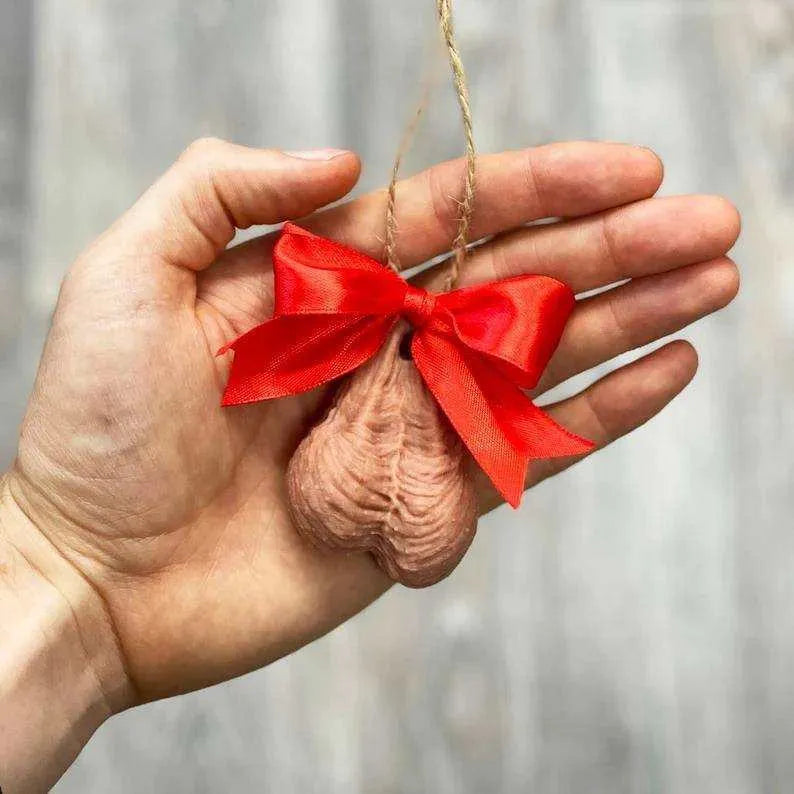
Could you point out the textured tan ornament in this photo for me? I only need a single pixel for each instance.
(385, 473)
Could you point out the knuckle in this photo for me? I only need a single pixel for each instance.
(444, 206)
(603, 428)
(202, 150)
(533, 180)
(498, 257)
(622, 330)
(610, 243)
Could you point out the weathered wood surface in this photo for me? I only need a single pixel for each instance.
(631, 628)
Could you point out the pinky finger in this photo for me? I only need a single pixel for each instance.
(617, 404)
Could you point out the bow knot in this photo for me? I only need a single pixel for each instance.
(477, 348)
(418, 306)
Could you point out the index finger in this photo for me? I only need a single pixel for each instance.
(513, 188)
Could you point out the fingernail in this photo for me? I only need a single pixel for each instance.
(317, 154)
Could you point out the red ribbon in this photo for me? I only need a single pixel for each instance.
(476, 348)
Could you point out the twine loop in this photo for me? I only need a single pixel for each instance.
(444, 13)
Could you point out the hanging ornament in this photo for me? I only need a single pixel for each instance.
(437, 386)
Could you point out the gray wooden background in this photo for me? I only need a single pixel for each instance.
(636, 637)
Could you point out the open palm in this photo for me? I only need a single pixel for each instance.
(173, 509)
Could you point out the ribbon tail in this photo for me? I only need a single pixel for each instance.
(292, 354)
(501, 427)
(537, 435)
(531, 432)
(448, 374)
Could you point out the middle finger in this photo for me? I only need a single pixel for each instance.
(639, 239)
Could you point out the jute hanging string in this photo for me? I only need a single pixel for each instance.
(444, 12)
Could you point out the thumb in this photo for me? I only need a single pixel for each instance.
(190, 214)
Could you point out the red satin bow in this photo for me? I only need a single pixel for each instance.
(476, 348)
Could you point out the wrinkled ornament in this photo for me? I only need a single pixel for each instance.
(384, 472)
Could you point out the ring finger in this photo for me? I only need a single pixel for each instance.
(638, 313)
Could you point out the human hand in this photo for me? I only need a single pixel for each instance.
(168, 513)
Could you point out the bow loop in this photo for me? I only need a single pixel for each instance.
(318, 276)
(517, 322)
(476, 348)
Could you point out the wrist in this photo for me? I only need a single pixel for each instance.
(61, 671)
